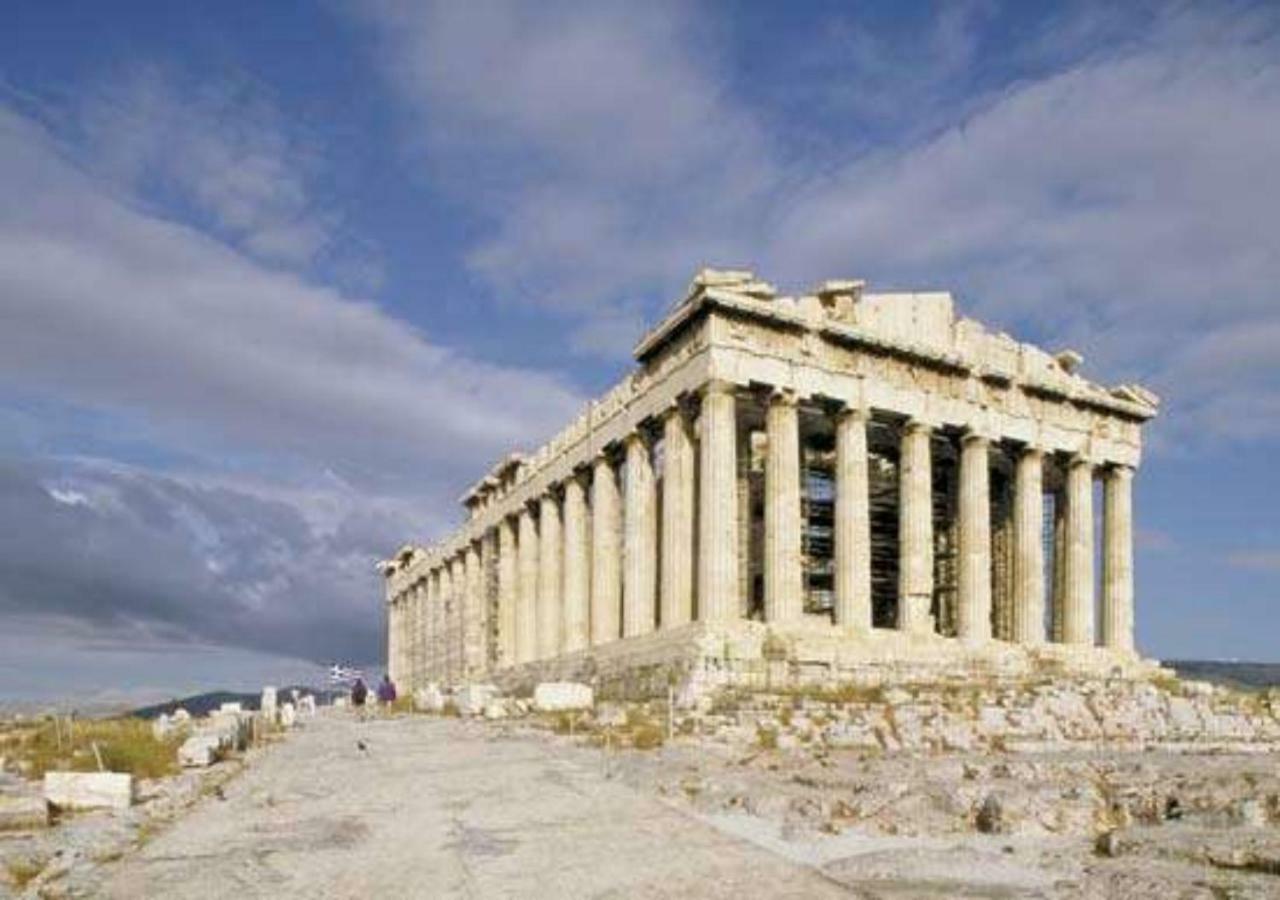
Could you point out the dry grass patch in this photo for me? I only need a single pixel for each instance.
(125, 745)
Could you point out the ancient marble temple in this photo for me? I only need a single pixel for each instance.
(839, 486)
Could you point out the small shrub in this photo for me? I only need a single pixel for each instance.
(22, 870)
(647, 737)
(766, 738)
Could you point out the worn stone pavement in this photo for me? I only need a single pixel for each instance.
(444, 808)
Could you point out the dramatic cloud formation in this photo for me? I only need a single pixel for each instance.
(244, 291)
(297, 413)
(1119, 200)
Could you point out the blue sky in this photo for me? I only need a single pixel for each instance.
(277, 281)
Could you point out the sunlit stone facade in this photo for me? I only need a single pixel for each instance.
(840, 485)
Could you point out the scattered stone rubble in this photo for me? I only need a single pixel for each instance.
(101, 815)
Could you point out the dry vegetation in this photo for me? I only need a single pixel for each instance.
(124, 745)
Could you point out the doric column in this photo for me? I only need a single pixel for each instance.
(973, 620)
(393, 664)
(473, 617)
(1028, 548)
(453, 620)
(508, 591)
(1077, 587)
(577, 569)
(527, 578)
(429, 600)
(639, 574)
(915, 531)
(550, 587)
(852, 522)
(718, 505)
(435, 624)
(677, 520)
(783, 573)
(1117, 559)
(606, 552)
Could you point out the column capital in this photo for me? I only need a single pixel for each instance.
(1075, 460)
(975, 436)
(718, 386)
(915, 424)
(853, 411)
(1119, 470)
(783, 396)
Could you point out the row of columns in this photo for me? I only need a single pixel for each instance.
(585, 569)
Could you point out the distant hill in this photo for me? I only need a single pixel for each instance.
(1251, 675)
(203, 704)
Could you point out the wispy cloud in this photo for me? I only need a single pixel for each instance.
(1267, 560)
(1111, 193)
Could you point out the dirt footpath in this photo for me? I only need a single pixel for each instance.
(445, 808)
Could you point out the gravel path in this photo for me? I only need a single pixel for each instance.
(445, 808)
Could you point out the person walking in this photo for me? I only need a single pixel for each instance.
(359, 694)
(387, 691)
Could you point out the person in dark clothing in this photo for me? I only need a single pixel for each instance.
(387, 691)
(359, 693)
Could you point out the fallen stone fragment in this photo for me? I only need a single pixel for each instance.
(89, 790)
(555, 696)
(472, 699)
(428, 699)
(23, 813)
(1107, 843)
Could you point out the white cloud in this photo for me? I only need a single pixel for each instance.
(598, 140)
(1255, 560)
(110, 306)
(1122, 205)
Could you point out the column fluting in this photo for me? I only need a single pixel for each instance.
(1117, 559)
(508, 591)
(1028, 548)
(718, 505)
(550, 586)
(606, 552)
(915, 531)
(677, 520)
(852, 522)
(973, 622)
(527, 599)
(577, 566)
(1078, 595)
(639, 577)
(783, 571)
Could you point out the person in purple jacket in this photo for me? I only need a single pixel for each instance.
(386, 691)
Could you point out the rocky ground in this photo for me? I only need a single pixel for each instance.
(1057, 791)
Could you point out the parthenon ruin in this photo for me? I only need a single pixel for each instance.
(785, 490)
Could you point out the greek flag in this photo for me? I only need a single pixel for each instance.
(343, 674)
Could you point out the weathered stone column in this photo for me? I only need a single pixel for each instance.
(606, 553)
(973, 620)
(550, 586)
(677, 520)
(639, 574)
(472, 615)
(577, 566)
(508, 591)
(453, 621)
(435, 671)
(915, 531)
(783, 572)
(526, 604)
(852, 522)
(427, 626)
(718, 505)
(1117, 559)
(1028, 548)
(1077, 600)
(392, 651)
